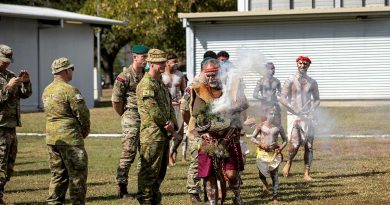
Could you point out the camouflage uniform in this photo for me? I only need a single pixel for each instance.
(67, 124)
(125, 91)
(193, 186)
(155, 108)
(9, 119)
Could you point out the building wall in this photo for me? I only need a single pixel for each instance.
(350, 57)
(76, 43)
(35, 46)
(308, 4)
(21, 36)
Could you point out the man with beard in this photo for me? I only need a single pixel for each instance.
(220, 134)
(176, 84)
(301, 97)
(267, 90)
(124, 102)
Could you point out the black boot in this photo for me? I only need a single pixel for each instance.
(122, 192)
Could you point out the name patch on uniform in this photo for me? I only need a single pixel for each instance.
(119, 79)
(148, 93)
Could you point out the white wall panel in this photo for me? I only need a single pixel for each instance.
(351, 59)
(76, 43)
(21, 36)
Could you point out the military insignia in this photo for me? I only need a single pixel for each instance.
(79, 97)
(120, 79)
(148, 93)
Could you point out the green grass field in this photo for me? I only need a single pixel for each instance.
(347, 170)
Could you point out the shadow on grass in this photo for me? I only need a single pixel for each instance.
(32, 172)
(103, 104)
(30, 203)
(103, 198)
(29, 190)
(361, 174)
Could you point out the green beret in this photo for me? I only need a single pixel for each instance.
(139, 49)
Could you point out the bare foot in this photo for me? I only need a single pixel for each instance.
(265, 191)
(183, 160)
(171, 160)
(307, 178)
(274, 200)
(286, 170)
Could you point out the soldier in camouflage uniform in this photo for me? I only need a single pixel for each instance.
(12, 88)
(124, 101)
(67, 124)
(158, 124)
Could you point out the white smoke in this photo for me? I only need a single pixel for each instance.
(232, 75)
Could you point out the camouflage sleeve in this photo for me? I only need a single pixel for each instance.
(185, 100)
(147, 102)
(4, 91)
(119, 89)
(79, 109)
(25, 90)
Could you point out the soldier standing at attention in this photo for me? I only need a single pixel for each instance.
(158, 124)
(67, 124)
(124, 102)
(12, 88)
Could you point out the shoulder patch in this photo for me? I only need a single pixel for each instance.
(119, 79)
(147, 93)
(79, 97)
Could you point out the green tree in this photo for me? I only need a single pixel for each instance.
(67, 5)
(151, 22)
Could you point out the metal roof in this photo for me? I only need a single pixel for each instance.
(43, 13)
(328, 13)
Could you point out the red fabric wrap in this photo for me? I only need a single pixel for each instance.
(211, 69)
(303, 58)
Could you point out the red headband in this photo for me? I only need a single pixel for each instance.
(211, 69)
(304, 58)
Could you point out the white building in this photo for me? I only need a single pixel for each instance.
(348, 42)
(39, 35)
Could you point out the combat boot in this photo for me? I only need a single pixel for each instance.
(2, 202)
(194, 199)
(123, 193)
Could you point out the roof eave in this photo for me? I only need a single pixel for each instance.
(287, 14)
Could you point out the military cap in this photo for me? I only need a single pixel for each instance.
(139, 49)
(6, 53)
(156, 56)
(60, 64)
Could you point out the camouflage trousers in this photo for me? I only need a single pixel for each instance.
(8, 150)
(130, 143)
(153, 167)
(193, 186)
(69, 167)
